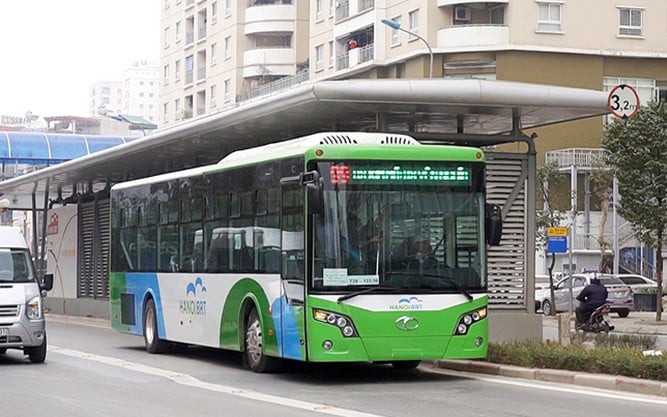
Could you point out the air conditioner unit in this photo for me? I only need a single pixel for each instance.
(462, 14)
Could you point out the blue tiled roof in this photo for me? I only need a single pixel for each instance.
(50, 148)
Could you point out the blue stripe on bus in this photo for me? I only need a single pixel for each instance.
(142, 284)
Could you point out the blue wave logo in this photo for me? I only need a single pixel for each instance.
(197, 286)
(412, 303)
(193, 305)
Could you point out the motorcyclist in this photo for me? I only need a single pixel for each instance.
(591, 297)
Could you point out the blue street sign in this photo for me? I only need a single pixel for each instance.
(557, 244)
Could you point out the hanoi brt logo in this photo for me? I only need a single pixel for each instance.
(412, 303)
(194, 303)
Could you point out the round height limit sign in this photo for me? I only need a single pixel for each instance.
(623, 101)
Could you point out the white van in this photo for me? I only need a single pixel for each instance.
(22, 324)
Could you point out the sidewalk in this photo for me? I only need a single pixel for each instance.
(640, 323)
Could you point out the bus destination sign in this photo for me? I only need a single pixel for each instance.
(400, 173)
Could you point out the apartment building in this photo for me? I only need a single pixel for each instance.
(137, 93)
(215, 51)
(141, 90)
(218, 52)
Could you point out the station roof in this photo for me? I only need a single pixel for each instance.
(37, 148)
(437, 108)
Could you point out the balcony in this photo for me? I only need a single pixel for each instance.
(575, 157)
(355, 57)
(442, 3)
(473, 35)
(276, 18)
(269, 61)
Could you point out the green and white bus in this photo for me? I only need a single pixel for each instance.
(335, 247)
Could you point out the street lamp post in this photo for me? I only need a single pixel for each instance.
(397, 26)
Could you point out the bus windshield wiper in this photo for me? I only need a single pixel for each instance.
(364, 291)
(449, 279)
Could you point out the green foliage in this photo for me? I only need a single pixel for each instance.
(622, 359)
(636, 150)
(548, 179)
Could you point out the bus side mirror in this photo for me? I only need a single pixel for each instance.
(314, 197)
(47, 282)
(493, 224)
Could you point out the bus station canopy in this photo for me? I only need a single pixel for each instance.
(477, 112)
(36, 148)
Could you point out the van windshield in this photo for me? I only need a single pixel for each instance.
(15, 265)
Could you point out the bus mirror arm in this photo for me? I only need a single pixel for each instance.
(311, 180)
(493, 224)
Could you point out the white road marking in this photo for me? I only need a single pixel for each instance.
(188, 380)
(552, 386)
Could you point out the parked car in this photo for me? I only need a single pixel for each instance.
(620, 294)
(635, 281)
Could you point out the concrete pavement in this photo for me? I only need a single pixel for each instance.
(640, 323)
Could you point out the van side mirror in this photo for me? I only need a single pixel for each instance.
(493, 224)
(47, 282)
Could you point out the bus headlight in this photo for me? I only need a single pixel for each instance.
(343, 323)
(468, 319)
(34, 308)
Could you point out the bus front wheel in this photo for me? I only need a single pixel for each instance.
(153, 343)
(254, 355)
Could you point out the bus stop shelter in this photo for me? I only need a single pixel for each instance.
(466, 112)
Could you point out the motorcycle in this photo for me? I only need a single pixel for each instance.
(598, 321)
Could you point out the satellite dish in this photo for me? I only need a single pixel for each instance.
(102, 110)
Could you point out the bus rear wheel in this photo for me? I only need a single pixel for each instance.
(254, 355)
(405, 365)
(153, 343)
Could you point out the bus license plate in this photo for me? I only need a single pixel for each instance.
(4, 332)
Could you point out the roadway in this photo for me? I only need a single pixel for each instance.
(93, 370)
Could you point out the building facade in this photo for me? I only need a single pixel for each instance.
(137, 93)
(218, 52)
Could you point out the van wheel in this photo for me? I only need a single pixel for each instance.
(254, 355)
(623, 313)
(153, 343)
(546, 307)
(37, 354)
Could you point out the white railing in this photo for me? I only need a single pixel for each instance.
(574, 157)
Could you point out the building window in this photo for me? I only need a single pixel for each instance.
(165, 110)
(395, 39)
(413, 17)
(228, 7)
(228, 87)
(319, 55)
(332, 54)
(319, 6)
(214, 53)
(213, 95)
(630, 22)
(166, 37)
(645, 88)
(177, 70)
(549, 17)
(178, 32)
(214, 12)
(165, 75)
(228, 47)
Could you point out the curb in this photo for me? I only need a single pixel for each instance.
(600, 381)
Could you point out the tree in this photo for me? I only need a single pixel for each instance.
(548, 180)
(601, 179)
(636, 150)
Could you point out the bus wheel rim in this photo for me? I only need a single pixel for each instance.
(254, 342)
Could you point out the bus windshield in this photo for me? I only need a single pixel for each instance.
(406, 232)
